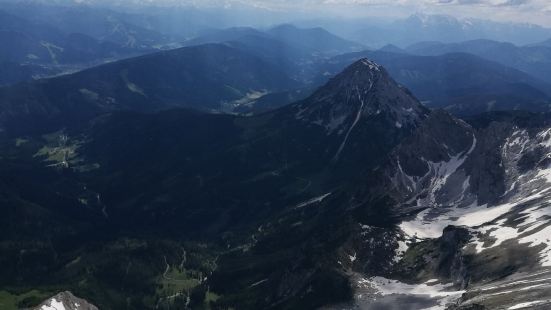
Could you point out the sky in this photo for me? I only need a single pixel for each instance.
(523, 11)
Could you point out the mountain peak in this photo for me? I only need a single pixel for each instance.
(360, 101)
(362, 90)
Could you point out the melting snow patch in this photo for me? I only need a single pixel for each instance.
(443, 170)
(527, 305)
(352, 257)
(442, 293)
(356, 120)
(258, 283)
(402, 248)
(532, 227)
(335, 123)
(134, 88)
(427, 226)
(53, 304)
(371, 64)
(313, 200)
(544, 138)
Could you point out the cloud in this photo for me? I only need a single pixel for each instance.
(526, 11)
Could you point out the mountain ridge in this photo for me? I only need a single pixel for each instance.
(288, 210)
(174, 78)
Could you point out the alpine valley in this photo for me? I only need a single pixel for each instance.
(215, 176)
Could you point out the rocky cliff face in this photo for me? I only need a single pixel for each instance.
(472, 199)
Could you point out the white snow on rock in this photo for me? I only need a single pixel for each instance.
(53, 304)
(524, 214)
(400, 250)
(532, 227)
(529, 305)
(432, 227)
(352, 257)
(431, 222)
(356, 120)
(443, 294)
(371, 64)
(65, 301)
(430, 189)
(312, 201)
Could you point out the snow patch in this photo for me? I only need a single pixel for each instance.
(442, 293)
(427, 226)
(352, 257)
(527, 305)
(371, 65)
(400, 250)
(312, 201)
(356, 120)
(53, 304)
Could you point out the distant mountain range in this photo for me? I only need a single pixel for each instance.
(229, 78)
(444, 28)
(41, 49)
(312, 42)
(27, 41)
(546, 43)
(292, 49)
(462, 83)
(477, 85)
(210, 77)
(100, 24)
(534, 60)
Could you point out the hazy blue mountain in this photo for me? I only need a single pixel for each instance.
(98, 23)
(176, 24)
(307, 42)
(546, 43)
(13, 23)
(48, 50)
(286, 56)
(317, 41)
(207, 77)
(390, 48)
(11, 72)
(223, 35)
(294, 50)
(423, 27)
(461, 83)
(535, 60)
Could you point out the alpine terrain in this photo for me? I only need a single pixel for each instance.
(272, 167)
